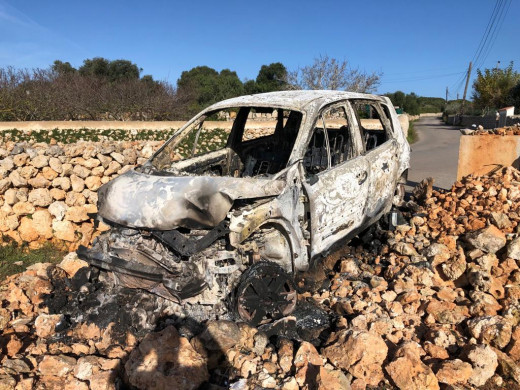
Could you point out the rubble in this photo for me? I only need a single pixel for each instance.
(433, 303)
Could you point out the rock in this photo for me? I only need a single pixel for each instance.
(484, 361)
(405, 249)
(4, 185)
(63, 230)
(455, 266)
(14, 345)
(454, 372)
(16, 366)
(42, 223)
(77, 214)
(58, 210)
(285, 354)
(40, 197)
(62, 182)
(409, 372)
(220, 335)
(333, 380)
(102, 380)
(489, 239)
(500, 220)
(39, 181)
(40, 161)
(78, 184)
(307, 362)
(81, 171)
(360, 353)
(513, 249)
(494, 330)
(507, 367)
(7, 382)
(27, 231)
(55, 164)
(112, 168)
(93, 183)
(166, 360)
(445, 312)
(59, 365)
(17, 180)
(45, 324)
(72, 264)
(23, 208)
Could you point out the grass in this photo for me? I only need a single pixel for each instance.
(15, 258)
(68, 136)
(412, 134)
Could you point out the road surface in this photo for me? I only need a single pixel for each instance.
(435, 153)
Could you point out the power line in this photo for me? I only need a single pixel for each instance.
(407, 79)
(496, 32)
(485, 45)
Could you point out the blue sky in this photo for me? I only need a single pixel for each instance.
(419, 46)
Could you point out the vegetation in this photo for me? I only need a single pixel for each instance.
(102, 89)
(15, 258)
(414, 104)
(329, 73)
(496, 88)
(68, 136)
(412, 134)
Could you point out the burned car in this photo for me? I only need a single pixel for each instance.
(248, 194)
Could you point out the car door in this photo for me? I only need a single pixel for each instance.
(381, 152)
(337, 179)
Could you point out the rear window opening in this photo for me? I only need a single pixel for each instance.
(373, 122)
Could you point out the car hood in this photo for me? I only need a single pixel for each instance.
(141, 200)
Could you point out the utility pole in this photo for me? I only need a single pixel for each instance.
(446, 95)
(465, 90)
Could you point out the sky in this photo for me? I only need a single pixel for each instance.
(419, 46)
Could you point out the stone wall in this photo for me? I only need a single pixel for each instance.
(487, 122)
(47, 191)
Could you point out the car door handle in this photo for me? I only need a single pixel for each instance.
(362, 177)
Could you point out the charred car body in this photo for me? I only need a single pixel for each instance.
(249, 193)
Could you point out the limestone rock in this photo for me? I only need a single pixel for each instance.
(166, 360)
(454, 372)
(489, 239)
(484, 361)
(360, 353)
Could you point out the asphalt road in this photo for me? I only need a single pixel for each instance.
(435, 153)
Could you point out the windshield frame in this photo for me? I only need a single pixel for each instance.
(199, 119)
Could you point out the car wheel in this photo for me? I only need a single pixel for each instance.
(266, 292)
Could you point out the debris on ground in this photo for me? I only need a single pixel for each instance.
(430, 303)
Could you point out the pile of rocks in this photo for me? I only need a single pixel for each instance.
(508, 130)
(432, 303)
(47, 191)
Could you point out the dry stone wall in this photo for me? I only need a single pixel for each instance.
(48, 190)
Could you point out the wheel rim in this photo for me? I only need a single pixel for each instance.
(265, 293)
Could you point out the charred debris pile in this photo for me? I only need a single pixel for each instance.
(432, 303)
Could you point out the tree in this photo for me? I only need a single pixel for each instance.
(492, 88)
(397, 98)
(63, 68)
(513, 99)
(411, 104)
(97, 66)
(122, 70)
(272, 77)
(329, 73)
(208, 86)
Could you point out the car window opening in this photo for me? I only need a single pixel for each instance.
(237, 142)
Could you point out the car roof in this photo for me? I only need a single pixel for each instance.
(298, 99)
